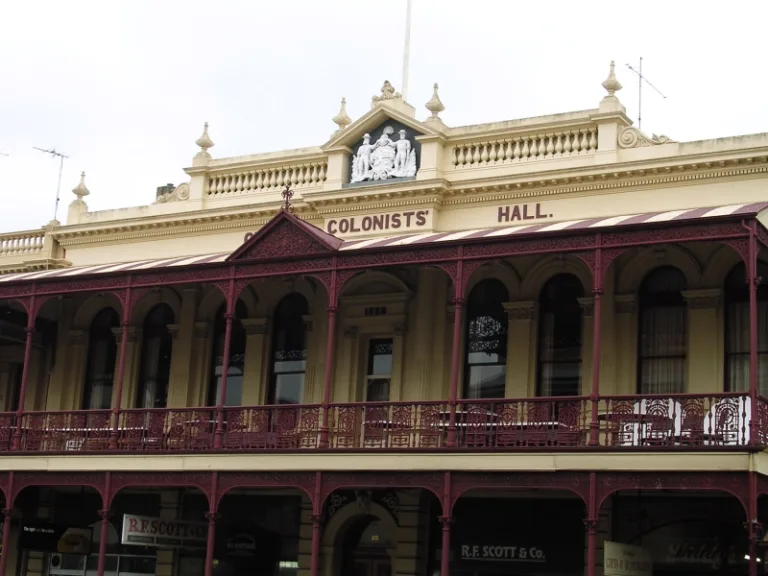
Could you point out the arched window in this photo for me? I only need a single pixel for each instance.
(102, 353)
(155, 366)
(560, 328)
(737, 330)
(236, 356)
(662, 338)
(486, 367)
(289, 351)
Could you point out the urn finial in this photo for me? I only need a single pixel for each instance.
(611, 84)
(342, 119)
(434, 105)
(81, 190)
(204, 141)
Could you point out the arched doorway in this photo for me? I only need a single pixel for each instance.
(366, 547)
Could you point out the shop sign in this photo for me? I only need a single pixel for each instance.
(48, 537)
(149, 531)
(495, 553)
(626, 560)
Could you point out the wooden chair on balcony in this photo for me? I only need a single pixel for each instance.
(568, 430)
(477, 428)
(508, 430)
(692, 422)
(376, 427)
(538, 427)
(428, 429)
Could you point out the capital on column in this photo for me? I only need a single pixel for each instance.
(591, 525)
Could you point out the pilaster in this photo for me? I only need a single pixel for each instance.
(704, 368)
(183, 361)
(256, 365)
(625, 307)
(169, 510)
(200, 364)
(587, 304)
(132, 366)
(520, 345)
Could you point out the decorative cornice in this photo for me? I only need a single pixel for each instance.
(132, 334)
(702, 299)
(521, 310)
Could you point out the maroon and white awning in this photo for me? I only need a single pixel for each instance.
(416, 239)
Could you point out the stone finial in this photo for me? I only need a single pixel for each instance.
(435, 105)
(342, 119)
(611, 84)
(204, 141)
(80, 190)
(387, 93)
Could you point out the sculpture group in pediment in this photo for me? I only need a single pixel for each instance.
(385, 158)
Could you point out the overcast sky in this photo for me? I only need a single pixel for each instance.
(123, 87)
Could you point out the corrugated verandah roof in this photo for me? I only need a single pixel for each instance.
(418, 239)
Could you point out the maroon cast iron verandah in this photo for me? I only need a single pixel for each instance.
(593, 488)
(288, 246)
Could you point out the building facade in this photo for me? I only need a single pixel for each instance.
(535, 346)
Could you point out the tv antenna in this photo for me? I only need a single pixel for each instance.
(60, 156)
(640, 80)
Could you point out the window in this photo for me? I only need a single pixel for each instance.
(662, 341)
(155, 366)
(737, 330)
(486, 367)
(289, 351)
(560, 329)
(236, 357)
(379, 372)
(102, 353)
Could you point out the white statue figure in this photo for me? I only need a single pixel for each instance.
(361, 164)
(402, 150)
(384, 159)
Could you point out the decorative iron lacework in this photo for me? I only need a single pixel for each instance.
(382, 347)
(486, 334)
(290, 355)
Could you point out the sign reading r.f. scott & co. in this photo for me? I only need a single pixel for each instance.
(149, 531)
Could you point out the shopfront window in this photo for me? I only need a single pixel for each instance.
(155, 367)
(236, 357)
(486, 337)
(289, 351)
(102, 353)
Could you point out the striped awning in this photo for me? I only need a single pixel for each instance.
(427, 238)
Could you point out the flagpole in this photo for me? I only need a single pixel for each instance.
(406, 51)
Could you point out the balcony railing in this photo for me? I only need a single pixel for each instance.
(648, 422)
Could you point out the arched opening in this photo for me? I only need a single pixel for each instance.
(662, 338)
(486, 368)
(365, 548)
(236, 356)
(737, 330)
(289, 351)
(155, 364)
(560, 330)
(102, 353)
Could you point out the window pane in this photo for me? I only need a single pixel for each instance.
(289, 388)
(487, 381)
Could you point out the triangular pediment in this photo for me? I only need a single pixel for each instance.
(373, 119)
(286, 235)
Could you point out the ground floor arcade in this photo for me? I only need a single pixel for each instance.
(379, 524)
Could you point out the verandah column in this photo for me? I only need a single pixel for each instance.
(124, 324)
(597, 293)
(7, 510)
(458, 323)
(446, 520)
(228, 316)
(30, 332)
(330, 354)
(754, 527)
(753, 281)
(104, 532)
(591, 525)
(211, 516)
(317, 508)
